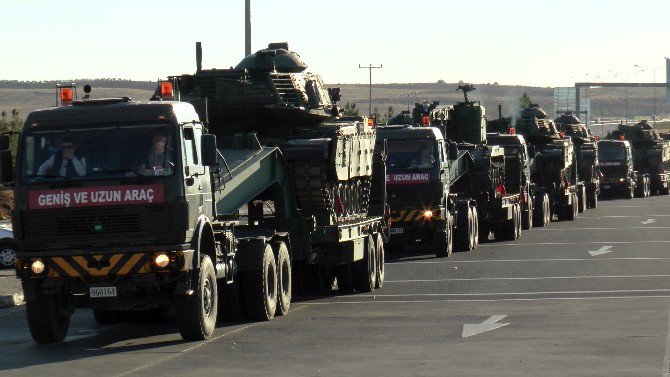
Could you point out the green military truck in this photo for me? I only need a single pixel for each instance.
(651, 154)
(126, 206)
(617, 168)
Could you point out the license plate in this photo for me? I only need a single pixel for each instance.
(96, 292)
(395, 231)
(606, 187)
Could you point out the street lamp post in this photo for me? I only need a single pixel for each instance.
(412, 94)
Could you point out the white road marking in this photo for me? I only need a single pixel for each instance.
(619, 228)
(620, 216)
(518, 260)
(664, 297)
(488, 325)
(650, 221)
(601, 251)
(514, 293)
(529, 278)
(499, 244)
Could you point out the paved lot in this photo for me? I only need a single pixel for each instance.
(583, 298)
(9, 284)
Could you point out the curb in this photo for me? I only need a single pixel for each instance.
(11, 300)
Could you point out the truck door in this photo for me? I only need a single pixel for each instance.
(196, 176)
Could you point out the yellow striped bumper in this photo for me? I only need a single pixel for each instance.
(408, 215)
(105, 265)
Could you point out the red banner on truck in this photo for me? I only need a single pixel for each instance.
(95, 196)
(407, 178)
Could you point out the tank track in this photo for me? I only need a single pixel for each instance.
(317, 193)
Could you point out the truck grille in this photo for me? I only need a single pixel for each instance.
(97, 221)
(413, 196)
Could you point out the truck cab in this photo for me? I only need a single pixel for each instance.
(616, 167)
(417, 180)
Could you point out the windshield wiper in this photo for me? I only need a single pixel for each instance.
(62, 178)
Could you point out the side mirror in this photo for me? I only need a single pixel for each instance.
(209, 151)
(453, 151)
(6, 173)
(4, 142)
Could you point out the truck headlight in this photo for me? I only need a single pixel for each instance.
(161, 260)
(428, 214)
(622, 180)
(37, 267)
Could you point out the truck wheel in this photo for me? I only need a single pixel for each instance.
(464, 226)
(365, 270)
(345, 278)
(475, 225)
(570, 211)
(259, 287)
(527, 219)
(48, 318)
(630, 192)
(283, 278)
(443, 242)
(7, 255)
(581, 199)
(379, 243)
(591, 199)
(510, 229)
(107, 317)
(664, 190)
(542, 211)
(196, 313)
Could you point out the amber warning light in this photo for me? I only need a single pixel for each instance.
(371, 122)
(66, 96)
(166, 90)
(426, 120)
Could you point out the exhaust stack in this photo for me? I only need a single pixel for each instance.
(198, 56)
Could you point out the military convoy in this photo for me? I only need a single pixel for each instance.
(233, 188)
(651, 157)
(144, 212)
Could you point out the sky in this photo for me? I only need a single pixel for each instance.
(516, 42)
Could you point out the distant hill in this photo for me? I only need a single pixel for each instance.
(26, 96)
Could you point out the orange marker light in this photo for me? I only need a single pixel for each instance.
(511, 131)
(425, 120)
(166, 90)
(621, 137)
(371, 122)
(65, 96)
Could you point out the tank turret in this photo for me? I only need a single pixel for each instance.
(534, 124)
(277, 57)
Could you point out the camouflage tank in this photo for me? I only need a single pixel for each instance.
(270, 93)
(651, 153)
(586, 152)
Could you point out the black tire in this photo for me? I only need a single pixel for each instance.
(542, 211)
(570, 211)
(379, 243)
(365, 270)
(107, 317)
(443, 242)
(345, 278)
(7, 255)
(591, 199)
(259, 287)
(528, 215)
(511, 228)
(284, 278)
(475, 223)
(464, 238)
(581, 199)
(48, 318)
(197, 313)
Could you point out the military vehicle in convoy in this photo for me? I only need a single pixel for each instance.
(651, 154)
(617, 168)
(435, 184)
(136, 206)
(586, 153)
(554, 171)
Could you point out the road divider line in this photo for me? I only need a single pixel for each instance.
(478, 328)
(522, 260)
(516, 293)
(664, 297)
(665, 371)
(618, 228)
(601, 251)
(528, 278)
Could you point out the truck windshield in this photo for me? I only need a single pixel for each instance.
(94, 153)
(408, 154)
(611, 154)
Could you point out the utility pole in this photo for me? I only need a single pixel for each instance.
(370, 67)
(247, 27)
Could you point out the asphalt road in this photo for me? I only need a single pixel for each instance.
(584, 298)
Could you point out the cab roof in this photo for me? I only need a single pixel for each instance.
(496, 138)
(404, 132)
(613, 143)
(112, 110)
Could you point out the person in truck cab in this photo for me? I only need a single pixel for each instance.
(65, 162)
(424, 158)
(158, 159)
